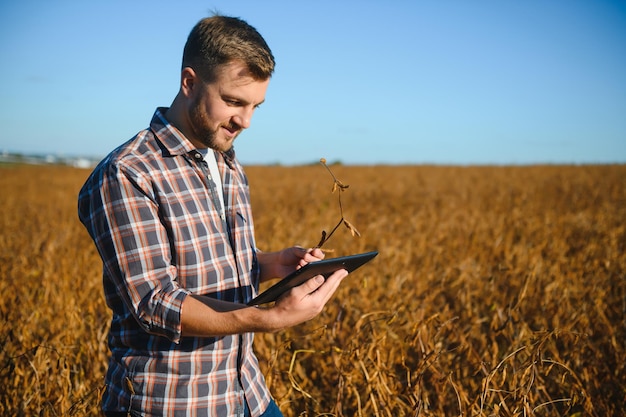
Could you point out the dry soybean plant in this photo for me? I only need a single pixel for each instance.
(501, 292)
(340, 187)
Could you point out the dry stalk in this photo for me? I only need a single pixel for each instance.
(292, 378)
(456, 392)
(340, 187)
(487, 380)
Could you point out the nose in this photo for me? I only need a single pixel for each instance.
(244, 117)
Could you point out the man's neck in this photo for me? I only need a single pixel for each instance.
(177, 118)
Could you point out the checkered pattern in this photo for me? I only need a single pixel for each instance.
(150, 209)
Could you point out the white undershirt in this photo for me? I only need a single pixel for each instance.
(209, 157)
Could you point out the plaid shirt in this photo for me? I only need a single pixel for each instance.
(152, 210)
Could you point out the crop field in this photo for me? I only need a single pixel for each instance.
(498, 291)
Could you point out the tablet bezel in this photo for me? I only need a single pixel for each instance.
(325, 267)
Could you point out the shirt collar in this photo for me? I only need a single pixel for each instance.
(171, 139)
(174, 142)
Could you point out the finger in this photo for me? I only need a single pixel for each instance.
(302, 262)
(297, 255)
(310, 285)
(313, 255)
(335, 279)
(317, 253)
(330, 285)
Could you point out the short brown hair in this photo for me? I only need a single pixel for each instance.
(218, 40)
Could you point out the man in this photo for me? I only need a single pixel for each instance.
(169, 212)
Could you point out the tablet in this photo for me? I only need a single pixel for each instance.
(324, 267)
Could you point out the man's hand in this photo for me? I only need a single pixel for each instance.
(282, 263)
(305, 301)
(204, 316)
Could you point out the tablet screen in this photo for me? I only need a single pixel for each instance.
(324, 267)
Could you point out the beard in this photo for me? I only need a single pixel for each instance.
(204, 132)
(201, 126)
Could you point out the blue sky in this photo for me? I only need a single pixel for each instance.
(363, 82)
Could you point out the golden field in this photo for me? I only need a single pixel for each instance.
(498, 291)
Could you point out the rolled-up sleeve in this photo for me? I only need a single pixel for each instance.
(133, 243)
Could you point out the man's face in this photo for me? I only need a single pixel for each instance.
(220, 110)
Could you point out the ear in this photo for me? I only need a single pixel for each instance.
(189, 81)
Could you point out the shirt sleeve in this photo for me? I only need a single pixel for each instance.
(134, 246)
